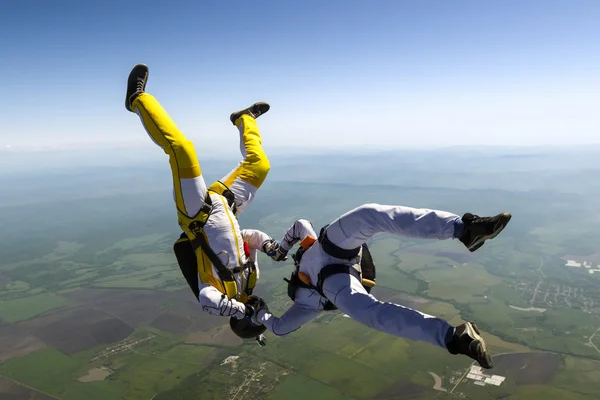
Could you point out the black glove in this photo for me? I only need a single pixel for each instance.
(253, 306)
(273, 249)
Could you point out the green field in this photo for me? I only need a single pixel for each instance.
(139, 374)
(48, 370)
(575, 378)
(24, 308)
(578, 373)
(296, 387)
(321, 356)
(117, 273)
(465, 284)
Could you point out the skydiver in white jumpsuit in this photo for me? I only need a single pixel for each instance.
(344, 238)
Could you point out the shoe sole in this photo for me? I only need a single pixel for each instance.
(131, 74)
(474, 333)
(241, 112)
(500, 225)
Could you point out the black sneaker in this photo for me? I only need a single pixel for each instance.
(136, 84)
(479, 229)
(255, 111)
(467, 341)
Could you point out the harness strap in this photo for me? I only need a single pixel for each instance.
(328, 270)
(225, 192)
(249, 265)
(336, 251)
(295, 282)
(197, 222)
(225, 274)
(334, 269)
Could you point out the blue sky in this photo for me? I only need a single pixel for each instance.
(337, 73)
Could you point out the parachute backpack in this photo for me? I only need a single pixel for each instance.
(365, 271)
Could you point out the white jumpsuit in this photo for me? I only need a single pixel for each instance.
(350, 231)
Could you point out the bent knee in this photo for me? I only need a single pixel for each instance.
(256, 171)
(263, 167)
(366, 212)
(368, 207)
(304, 222)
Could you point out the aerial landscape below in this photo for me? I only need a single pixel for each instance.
(99, 309)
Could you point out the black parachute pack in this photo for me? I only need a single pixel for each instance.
(367, 271)
(187, 261)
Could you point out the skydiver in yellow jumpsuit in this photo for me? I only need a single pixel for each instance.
(215, 208)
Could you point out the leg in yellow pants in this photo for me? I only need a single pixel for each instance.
(248, 176)
(189, 185)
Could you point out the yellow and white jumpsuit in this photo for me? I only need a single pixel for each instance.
(222, 230)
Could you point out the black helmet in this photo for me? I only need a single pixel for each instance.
(245, 329)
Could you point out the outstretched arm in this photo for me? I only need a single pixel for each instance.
(256, 239)
(296, 316)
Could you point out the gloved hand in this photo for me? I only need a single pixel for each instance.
(273, 249)
(253, 306)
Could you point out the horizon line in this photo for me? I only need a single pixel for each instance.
(296, 148)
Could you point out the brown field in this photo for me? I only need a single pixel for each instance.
(13, 391)
(110, 330)
(79, 329)
(105, 316)
(142, 307)
(221, 337)
(172, 323)
(526, 368)
(95, 375)
(16, 342)
(136, 307)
